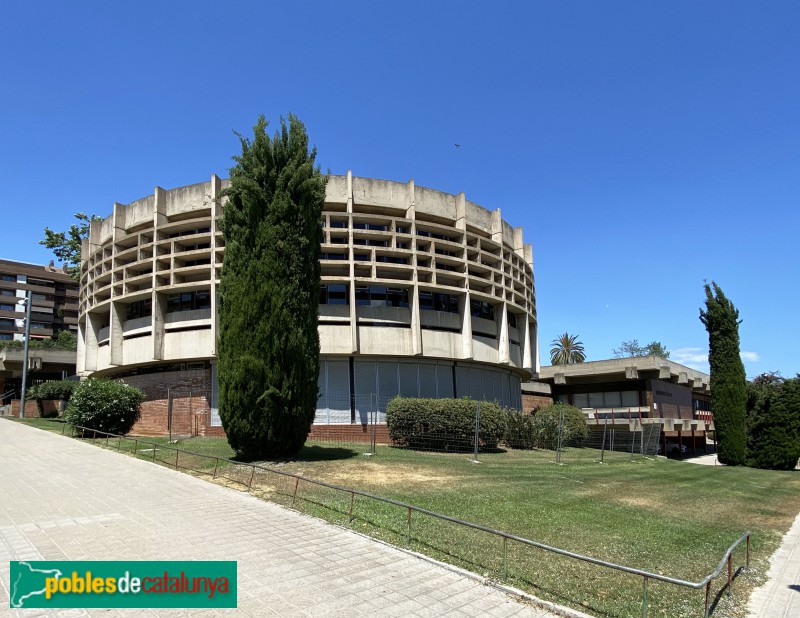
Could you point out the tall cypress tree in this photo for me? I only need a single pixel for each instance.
(268, 349)
(728, 383)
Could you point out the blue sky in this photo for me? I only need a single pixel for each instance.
(644, 147)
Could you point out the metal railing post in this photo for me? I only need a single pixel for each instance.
(154, 452)
(252, 474)
(505, 558)
(708, 594)
(177, 452)
(747, 554)
(408, 534)
(477, 431)
(730, 572)
(559, 438)
(294, 495)
(603, 447)
(644, 598)
(350, 511)
(216, 463)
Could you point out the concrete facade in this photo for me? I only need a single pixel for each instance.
(424, 293)
(633, 391)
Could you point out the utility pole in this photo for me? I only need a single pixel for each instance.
(27, 302)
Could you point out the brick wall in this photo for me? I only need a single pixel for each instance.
(32, 410)
(531, 402)
(190, 394)
(349, 433)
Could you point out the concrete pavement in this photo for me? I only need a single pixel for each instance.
(779, 597)
(61, 499)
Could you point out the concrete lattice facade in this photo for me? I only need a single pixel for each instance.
(424, 293)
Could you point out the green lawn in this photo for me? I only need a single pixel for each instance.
(664, 516)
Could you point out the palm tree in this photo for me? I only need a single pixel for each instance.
(567, 350)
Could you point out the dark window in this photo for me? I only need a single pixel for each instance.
(338, 224)
(139, 309)
(6, 337)
(481, 309)
(388, 259)
(8, 278)
(200, 230)
(332, 256)
(402, 229)
(202, 262)
(6, 307)
(379, 296)
(333, 294)
(6, 323)
(188, 301)
(370, 226)
(435, 301)
(7, 293)
(512, 320)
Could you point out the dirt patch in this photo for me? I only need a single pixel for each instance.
(375, 475)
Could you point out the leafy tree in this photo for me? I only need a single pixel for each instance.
(566, 350)
(67, 245)
(547, 419)
(773, 422)
(104, 405)
(269, 293)
(632, 348)
(728, 385)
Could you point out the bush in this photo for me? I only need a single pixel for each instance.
(519, 431)
(773, 422)
(105, 405)
(443, 424)
(546, 421)
(61, 390)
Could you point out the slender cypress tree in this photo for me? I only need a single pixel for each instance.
(268, 349)
(728, 383)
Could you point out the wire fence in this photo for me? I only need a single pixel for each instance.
(359, 423)
(290, 489)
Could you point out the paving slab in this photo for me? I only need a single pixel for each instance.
(779, 597)
(61, 499)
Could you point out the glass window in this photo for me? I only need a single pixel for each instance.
(580, 400)
(188, 301)
(512, 320)
(630, 399)
(481, 309)
(139, 309)
(596, 400)
(613, 399)
(333, 294)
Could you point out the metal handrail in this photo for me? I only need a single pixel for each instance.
(727, 559)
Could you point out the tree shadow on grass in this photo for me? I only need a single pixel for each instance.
(307, 453)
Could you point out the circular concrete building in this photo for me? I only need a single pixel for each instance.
(424, 294)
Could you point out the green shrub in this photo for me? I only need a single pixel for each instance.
(519, 432)
(546, 421)
(105, 405)
(773, 422)
(62, 389)
(443, 424)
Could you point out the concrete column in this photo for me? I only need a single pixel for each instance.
(466, 325)
(416, 324)
(80, 360)
(411, 205)
(519, 246)
(159, 320)
(349, 192)
(497, 226)
(351, 285)
(92, 326)
(216, 211)
(115, 341)
(527, 357)
(503, 352)
(461, 213)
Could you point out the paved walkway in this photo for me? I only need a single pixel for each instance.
(780, 596)
(61, 499)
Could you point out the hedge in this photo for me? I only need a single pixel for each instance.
(105, 405)
(444, 424)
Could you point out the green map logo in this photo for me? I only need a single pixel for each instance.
(64, 584)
